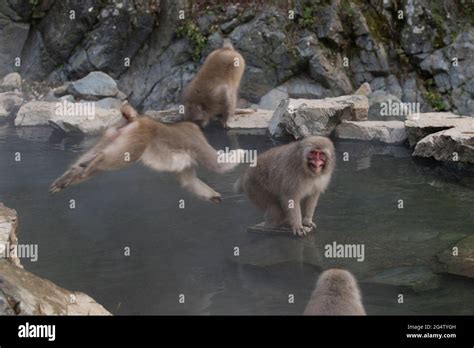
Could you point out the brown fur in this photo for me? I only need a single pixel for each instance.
(178, 148)
(336, 293)
(214, 90)
(282, 174)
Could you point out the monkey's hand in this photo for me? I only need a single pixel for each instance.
(308, 222)
(300, 230)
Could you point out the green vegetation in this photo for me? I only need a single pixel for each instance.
(191, 31)
(307, 17)
(436, 100)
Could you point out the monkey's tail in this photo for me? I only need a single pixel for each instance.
(227, 44)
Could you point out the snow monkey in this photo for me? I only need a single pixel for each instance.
(177, 148)
(336, 293)
(214, 90)
(287, 181)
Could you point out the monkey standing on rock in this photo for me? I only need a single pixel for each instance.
(287, 181)
(214, 90)
(178, 148)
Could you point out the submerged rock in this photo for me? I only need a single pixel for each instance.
(388, 132)
(459, 261)
(418, 278)
(305, 117)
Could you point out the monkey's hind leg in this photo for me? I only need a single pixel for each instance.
(230, 103)
(274, 216)
(77, 173)
(191, 183)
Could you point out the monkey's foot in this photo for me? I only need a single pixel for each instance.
(215, 199)
(309, 223)
(301, 230)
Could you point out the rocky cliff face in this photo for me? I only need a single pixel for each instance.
(414, 50)
(23, 293)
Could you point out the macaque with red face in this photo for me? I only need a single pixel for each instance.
(287, 181)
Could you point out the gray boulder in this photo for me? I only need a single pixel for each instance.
(305, 117)
(68, 117)
(451, 145)
(11, 82)
(9, 104)
(95, 85)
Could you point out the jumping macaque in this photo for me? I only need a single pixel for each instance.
(336, 293)
(287, 181)
(214, 90)
(177, 148)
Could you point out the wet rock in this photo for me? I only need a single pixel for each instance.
(418, 278)
(35, 113)
(419, 126)
(462, 263)
(388, 132)
(451, 145)
(94, 86)
(9, 103)
(305, 117)
(11, 82)
(32, 295)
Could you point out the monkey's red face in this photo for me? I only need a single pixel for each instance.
(316, 160)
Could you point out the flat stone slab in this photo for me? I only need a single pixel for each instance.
(423, 124)
(463, 263)
(243, 119)
(388, 132)
(251, 119)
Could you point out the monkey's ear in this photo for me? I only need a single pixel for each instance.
(128, 112)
